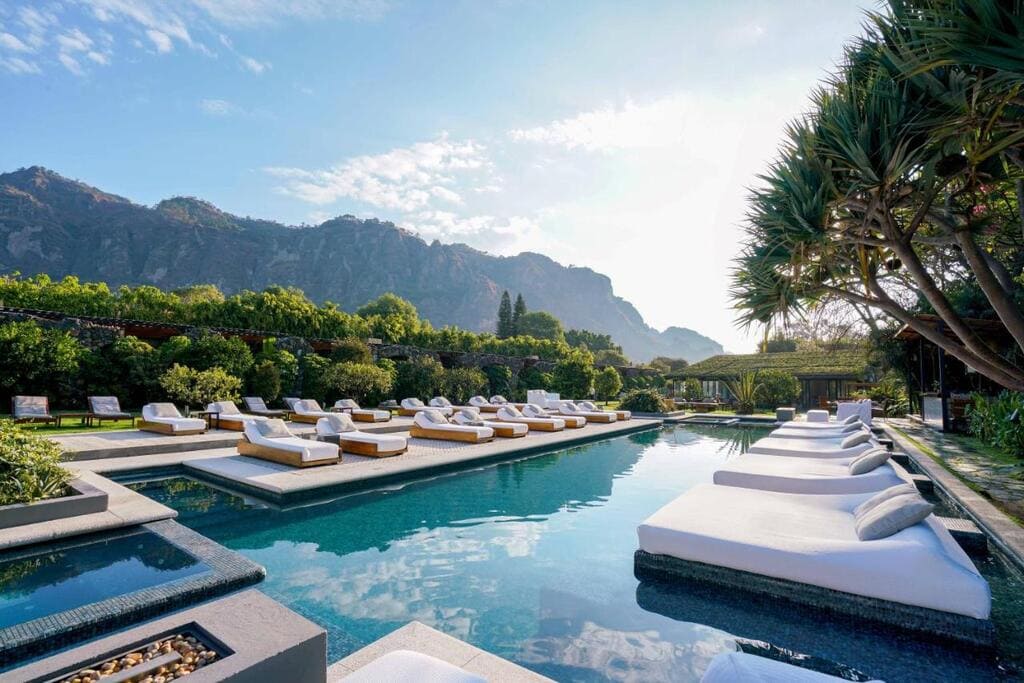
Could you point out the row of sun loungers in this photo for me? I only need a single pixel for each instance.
(829, 521)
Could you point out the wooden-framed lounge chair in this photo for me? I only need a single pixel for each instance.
(307, 410)
(539, 424)
(32, 409)
(570, 408)
(432, 424)
(271, 440)
(592, 407)
(441, 402)
(347, 405)
(532, 410)
(107, 408)
(339, 429)
(411, 406)
(290, 401)
(255, 405)
(164, 418)
(230, 417)
(482, 404)
(507, 430)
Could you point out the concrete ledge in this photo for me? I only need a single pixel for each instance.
(124, 508)
(421, 638)
(82, 499)
(263, 640)
(1002, 531)
(282, 484)
(226, 571)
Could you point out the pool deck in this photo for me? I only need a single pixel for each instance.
(124, 508)
(281, 483)
(419, 637)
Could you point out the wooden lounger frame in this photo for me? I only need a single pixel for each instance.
(606, 418)
(943, 625)
(280, 456)
(447, 435)
(486, 409)
(307, 419)
(571, 421)
(162, 428)
(507, 431)
(367, 416)
(621, 414)
(371, 450)
(536, 424)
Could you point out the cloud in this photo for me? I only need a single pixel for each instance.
(74, 41)
(71, 64)
(254, 65)
(244, 13)
(12, 42)
(405, 179)
(161, 41)
(19, 66)
(217, 107)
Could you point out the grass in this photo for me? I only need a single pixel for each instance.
(72, 426)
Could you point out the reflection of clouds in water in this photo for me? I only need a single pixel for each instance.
(628, 655)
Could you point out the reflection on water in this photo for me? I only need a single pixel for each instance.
(531, 560)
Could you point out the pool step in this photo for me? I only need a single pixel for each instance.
(901, 459)
(967, 534)
(923, 483)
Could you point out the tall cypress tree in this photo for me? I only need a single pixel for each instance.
(506, 328)
(518, 312)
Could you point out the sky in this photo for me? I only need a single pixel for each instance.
(618, 136)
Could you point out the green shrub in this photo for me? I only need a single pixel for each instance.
(745, 389)
(37, 360)
(128, 368)
(499, 380)
(265, 381)
(193, 388)
(459, 384)
(692, 390)
(362, 382)
(314, 375)
(30, 467)
(891, 394)
(530, 378)
(607, 384)
(644, 401)
(778, 388)
(999, 421)
(573, 376)
(351, 351)
(286, 362)
(418, 378)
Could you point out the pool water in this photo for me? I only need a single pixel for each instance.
(73, 575)
(533, 561)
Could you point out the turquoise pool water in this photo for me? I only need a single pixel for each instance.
(72, 575)
(533, 561)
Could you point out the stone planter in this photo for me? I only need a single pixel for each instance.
(81, 499)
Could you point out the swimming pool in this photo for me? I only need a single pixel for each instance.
(533, 560)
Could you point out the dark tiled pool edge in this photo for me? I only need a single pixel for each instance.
(942, 625)
(229, 571)
(1002, 531)
(325, 492)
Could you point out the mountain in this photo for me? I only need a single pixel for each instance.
(54, 225)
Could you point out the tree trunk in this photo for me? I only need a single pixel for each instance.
(1005, 307)
(1019, 185)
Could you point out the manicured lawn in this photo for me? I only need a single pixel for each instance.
(72, 426)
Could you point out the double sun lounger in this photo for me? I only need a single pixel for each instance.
(796, 523)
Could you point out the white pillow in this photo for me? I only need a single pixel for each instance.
(468, 416)
(272, 429)
(164, 410)
(435, 416)
(892, 516)
(340, 423)
(855, 440)
(869, 461)
(882, 496)
(851, 419)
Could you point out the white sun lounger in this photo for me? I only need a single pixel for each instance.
(483, 405)
(802, 424)
(813, 448)
(541, 424)
(837, 433)
(309, 411)
(570, 408)
(805, 475)
(430, 423)
(271, 440)
(506, 430)
(412, 406)
(230, 417)
(338, 428)
(358, 414)
(164, 418)
(532, 410)
(812, 540)
(592, 407)
(740, 667)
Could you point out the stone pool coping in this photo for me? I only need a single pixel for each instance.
(282, 484)
(227, 571)
(124, 508)
(266, 641)
(1002, 531)
(419, 637)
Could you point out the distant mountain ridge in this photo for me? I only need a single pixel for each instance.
(51, 224)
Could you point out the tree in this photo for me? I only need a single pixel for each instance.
(540, 325)
(779, 344)
(418, 378)
(666, 365)
(610, 357)
(314, 369)
(499, 380)
(573, 376)
(285, 362)
(362, 382)
(351, 351)
(518, 312)
(127, 368)
(778, 388)
(594, 341)
(506, 327)
(212, 350)
(745, 389)
(459, 384)
(532, 378)
(196, 388)
(37, 360)
(905, 182)
(265, 381)
(607, 384)
(692, 390)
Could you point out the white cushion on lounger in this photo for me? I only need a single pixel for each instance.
(259, 433)
(433, 419)
(469, 416)
(339, 424)
(349, 404)
(440, 402)
(855, 439)
(513, 414)
(817, 416)
(869, 461)
(412, 404)
(309, 407)
(167, 413)
(230, 412)
(404, 666)
(808, 448)
(812, 539)
(883, 496)
(812, 426)
(478, 401)
(803, 475)
(740, 667)
(797, 433)
(892, 516)
(570, 408)
(498, 399)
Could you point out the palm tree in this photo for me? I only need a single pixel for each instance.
(745, 389)
(905, 182)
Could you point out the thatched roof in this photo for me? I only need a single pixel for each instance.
(852, 365)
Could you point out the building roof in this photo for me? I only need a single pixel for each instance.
(987, 329)
(845, 364)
